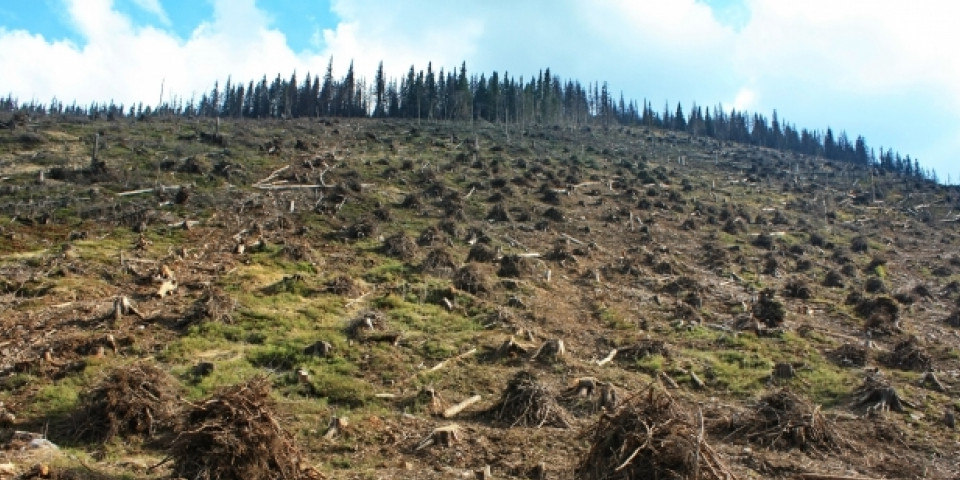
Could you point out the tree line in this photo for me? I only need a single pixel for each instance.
(544, 99)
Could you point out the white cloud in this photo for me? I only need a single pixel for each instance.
(746, 99)
(128, 64)
(153, 7)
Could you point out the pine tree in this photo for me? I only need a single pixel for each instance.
(380, 89)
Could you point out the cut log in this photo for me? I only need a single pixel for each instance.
(696, 381)
(454, 359)
(456, 409)
(444, 436)
(608, 358)
(667, 381)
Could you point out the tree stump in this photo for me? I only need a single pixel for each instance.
(444, 436)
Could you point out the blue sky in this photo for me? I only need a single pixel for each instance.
(870, 67)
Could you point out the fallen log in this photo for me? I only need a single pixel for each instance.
(608, 358)
(456, 409)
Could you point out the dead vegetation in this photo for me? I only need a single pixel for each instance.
(528, 403)
(472, 279)
(139, 399)
(235, 435)
(882, 315)
(850, 355)
(651, 436)
(784, 420)
(908, 354)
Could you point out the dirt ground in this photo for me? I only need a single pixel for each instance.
(796, 317)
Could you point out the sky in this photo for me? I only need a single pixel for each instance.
(883, 69)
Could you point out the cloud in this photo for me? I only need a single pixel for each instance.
(154, 8)
(128, 63)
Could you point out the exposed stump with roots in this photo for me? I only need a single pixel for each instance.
(953, 319)
(797, 288)
(642, 349)
(877, 395)
(909, 355)
(527, 403)
(550, 351)
(587, 395)
(498, 213)
(214, 306)
(432, 235)
(515, 266)
(481, 253)
(652, 436)
(235, 435)
(771, 312)
(681, 284)
(133, 400)
(882, 315)
(471, 279)
(343, 285)
(439, 262)
(850, 355)
(411, 201)
(366, 324)
(783, 420)
(833, 279)
(400, 245)
(362, 229)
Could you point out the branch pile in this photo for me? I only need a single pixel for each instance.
(527, 403)
(882, 315)
(652, 436)
(471, 279)
(783, 420)
(439, 262)
(134, 400)
(909, 355)
(214, 306)
(234, 435)
(400, 246)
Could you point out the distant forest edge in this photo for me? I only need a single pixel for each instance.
(545, 99)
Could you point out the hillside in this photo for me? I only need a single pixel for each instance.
(314, 296)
